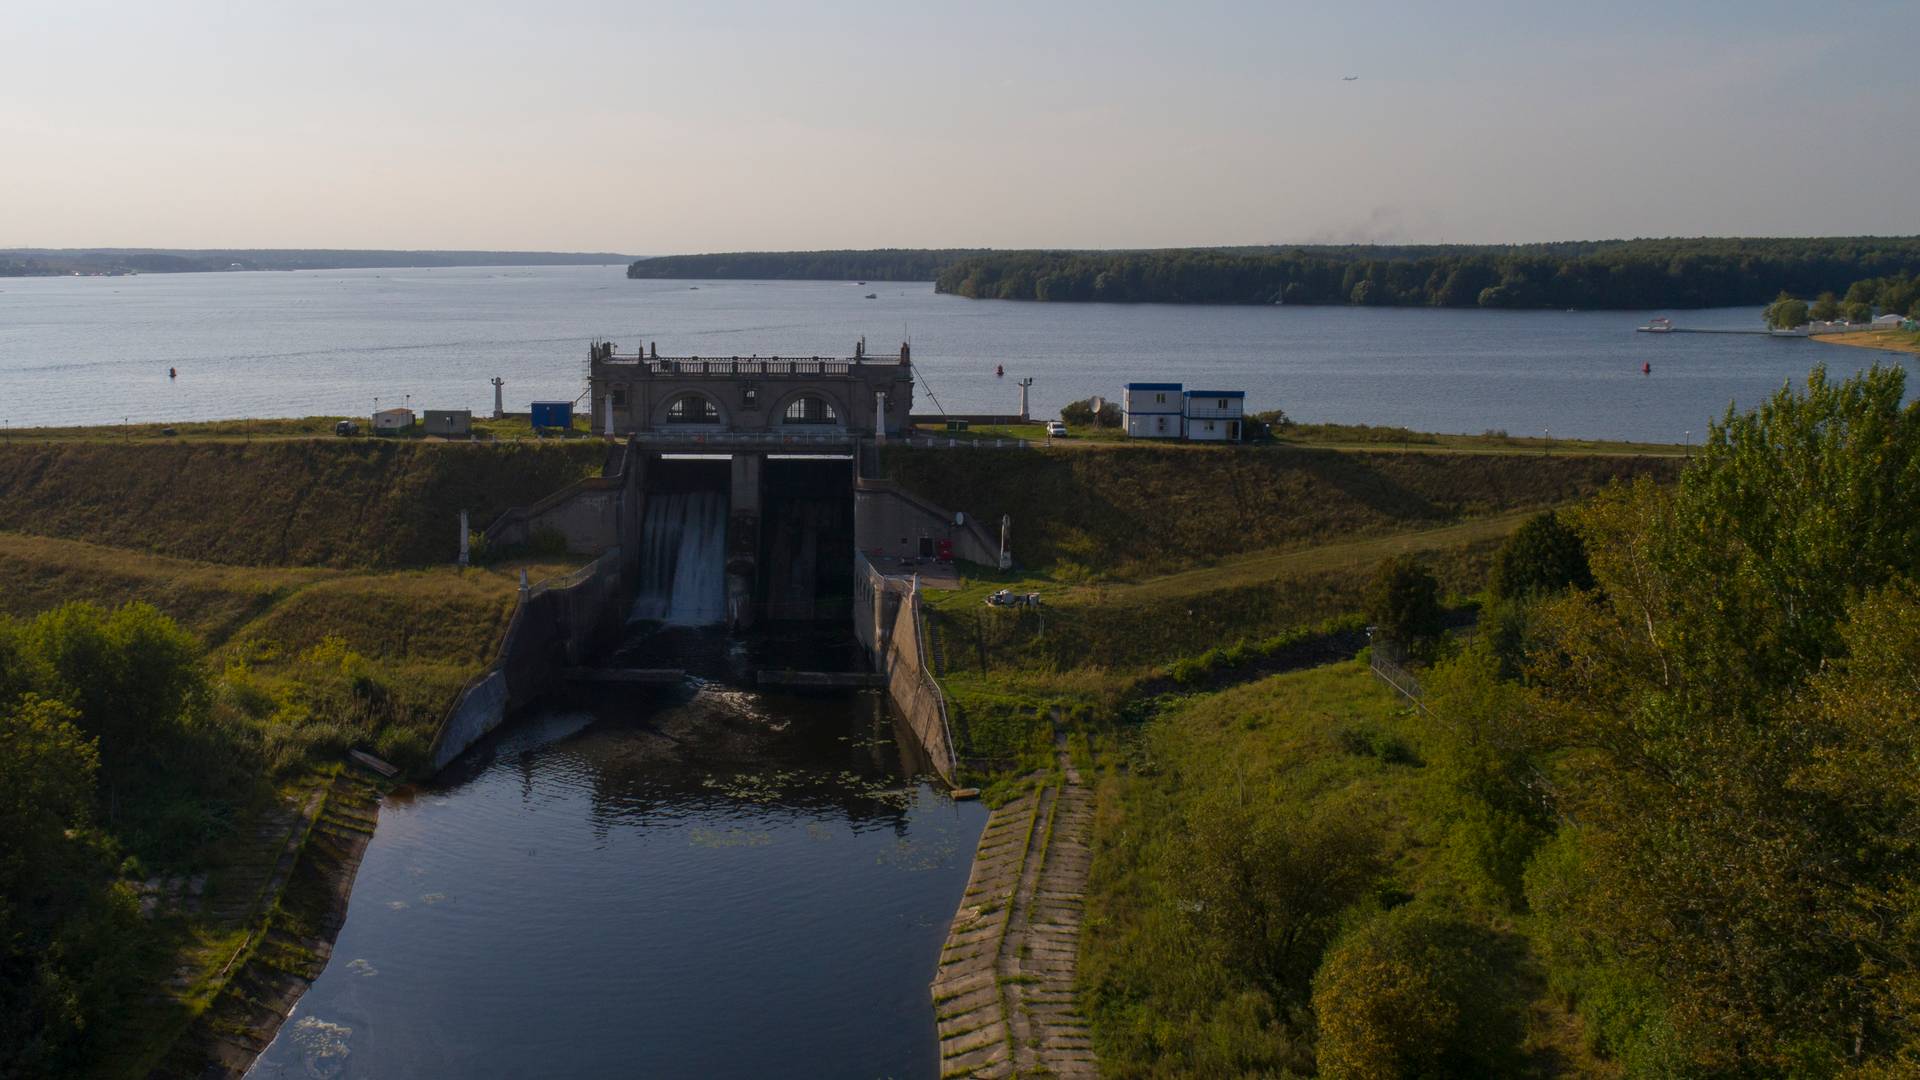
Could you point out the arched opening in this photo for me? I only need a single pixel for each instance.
(692, 409)
(810, 409)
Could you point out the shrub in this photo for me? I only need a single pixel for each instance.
(1412, 993)
(1543, 556)
(1404, 604)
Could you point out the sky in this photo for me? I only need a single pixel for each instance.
(713, 125)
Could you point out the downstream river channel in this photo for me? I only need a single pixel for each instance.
(695, 882)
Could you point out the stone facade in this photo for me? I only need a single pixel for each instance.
(805, 395)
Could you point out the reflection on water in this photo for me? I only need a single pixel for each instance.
(702, 882)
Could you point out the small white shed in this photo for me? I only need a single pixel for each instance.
(1889, 321)
(393, 420)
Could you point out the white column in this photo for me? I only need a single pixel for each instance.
(607, 413)
(880, 418)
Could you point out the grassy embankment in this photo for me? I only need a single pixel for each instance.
(1173, 565)
(1898, 341)
(1333, 436)
(315, 574)
(512, 427)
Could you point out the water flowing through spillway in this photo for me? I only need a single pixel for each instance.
(683, 559)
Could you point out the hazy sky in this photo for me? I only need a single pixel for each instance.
(699, 125)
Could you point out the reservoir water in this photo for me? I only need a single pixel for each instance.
(705, 883)
(97, 350)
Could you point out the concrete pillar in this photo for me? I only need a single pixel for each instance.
(463, 539)
(606, 413)
(499, 412)
(880, 418)
(743, 540)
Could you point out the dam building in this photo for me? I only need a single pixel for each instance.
(811, 398)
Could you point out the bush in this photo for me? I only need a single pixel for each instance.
(1404, 605)
(1543, 556)
(1412, 993)
(1082, 414)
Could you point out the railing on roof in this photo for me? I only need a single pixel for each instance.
(744, 438)
(752, 365)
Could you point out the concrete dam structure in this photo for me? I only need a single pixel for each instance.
(738, 492)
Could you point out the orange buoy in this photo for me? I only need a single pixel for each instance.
(1646, 369)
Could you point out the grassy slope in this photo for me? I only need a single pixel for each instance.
(307, 502)
(1326, 737)
(1134, 511)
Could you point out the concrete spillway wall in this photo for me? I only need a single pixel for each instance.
(891, 628)
(558, 623)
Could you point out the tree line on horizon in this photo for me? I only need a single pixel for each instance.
(1632, 274)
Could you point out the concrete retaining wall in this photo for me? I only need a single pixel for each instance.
(890, 520)
(588, 512)
(556, 625)
(890, 627)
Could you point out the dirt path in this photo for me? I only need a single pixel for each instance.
(1004, 995)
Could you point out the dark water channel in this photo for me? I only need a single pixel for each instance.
(703, 881)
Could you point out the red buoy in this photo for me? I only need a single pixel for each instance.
(999, 370)
(1646, 369)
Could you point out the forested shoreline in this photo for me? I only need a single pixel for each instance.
(1625, 274)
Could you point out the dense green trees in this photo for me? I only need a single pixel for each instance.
(107, 752)
(1671, 273)
(1786, 312)
(1679, 273)
(1727, 718)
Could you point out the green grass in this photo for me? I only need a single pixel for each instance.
(343, 503)
(1163, 999)
(412, 637)
(1119, 513)
(512, 427)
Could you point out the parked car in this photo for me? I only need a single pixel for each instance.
(1056, 429)
(346, 427)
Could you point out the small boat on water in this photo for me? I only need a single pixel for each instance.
(873, 296)
(1660, 324)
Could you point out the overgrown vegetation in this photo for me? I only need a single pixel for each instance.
(1727, 716)
(1276, 887)
(115, 757)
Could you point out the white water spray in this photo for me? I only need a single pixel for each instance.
(683, 559)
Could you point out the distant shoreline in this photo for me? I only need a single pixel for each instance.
(120, 262)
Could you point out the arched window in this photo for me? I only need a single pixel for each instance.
(808, 409)
(692, 409)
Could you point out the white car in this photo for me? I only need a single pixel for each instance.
(1056, 429)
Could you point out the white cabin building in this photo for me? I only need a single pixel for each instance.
(393, 420)
(1215, 415)
(1153, 410)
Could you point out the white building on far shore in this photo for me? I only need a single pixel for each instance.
(1153, 410)
(1215, 415)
